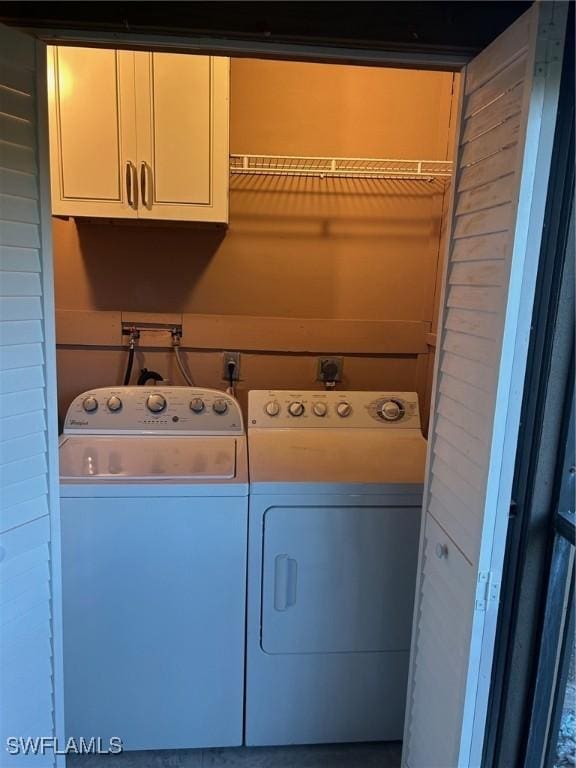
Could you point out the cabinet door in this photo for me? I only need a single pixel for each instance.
(92, 132)
(182, 123)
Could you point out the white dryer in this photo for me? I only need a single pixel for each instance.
(154, 491)
(335, 506)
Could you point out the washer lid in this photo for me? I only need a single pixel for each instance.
(95, 458)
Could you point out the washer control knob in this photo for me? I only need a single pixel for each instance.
(197, 405)
(272, 408)
(156, 403)
(220, 406)
(296, 408)
(90, 404)
(391, 411)
(114, 403)
(344, 409)
(320, 409)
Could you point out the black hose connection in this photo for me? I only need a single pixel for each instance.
(134, 336)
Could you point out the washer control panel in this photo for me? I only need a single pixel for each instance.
(154, 410)
(293, 409)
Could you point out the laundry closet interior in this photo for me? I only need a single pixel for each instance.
(332, 246)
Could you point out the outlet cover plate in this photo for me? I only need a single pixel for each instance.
(329, 369)
(229, 357)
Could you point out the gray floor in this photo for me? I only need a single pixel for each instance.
(324, 756)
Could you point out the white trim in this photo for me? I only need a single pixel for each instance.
(51, 391)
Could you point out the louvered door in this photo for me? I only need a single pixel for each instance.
(507, 118)
(30, 655)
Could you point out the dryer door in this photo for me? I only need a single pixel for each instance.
(338, 578)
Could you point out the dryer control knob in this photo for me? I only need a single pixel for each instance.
(114, 403)
(296, 408)
(90, 404)
(197, 405)
(320, 409)
(220, 406)
(391, 411)
(272, 408)
(156, 403)
(343, 409)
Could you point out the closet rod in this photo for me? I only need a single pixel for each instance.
(340, 167)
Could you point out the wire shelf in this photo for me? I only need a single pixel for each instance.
(340, 167)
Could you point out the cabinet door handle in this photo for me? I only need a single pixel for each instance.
(143, 183)
(130, 184)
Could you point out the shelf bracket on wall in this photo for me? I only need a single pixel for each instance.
(340, 167)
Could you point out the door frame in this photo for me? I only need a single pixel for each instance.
(221, 46)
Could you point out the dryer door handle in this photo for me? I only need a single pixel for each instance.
(285, 582)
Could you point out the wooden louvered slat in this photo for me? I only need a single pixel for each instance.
(482, 324)
(16, 104)
(485, 273)
(490, 247)
(452, 456)
(19, 234)
(23, 401)
(18, 183)
(20, 209)
(506, 80)
(21, 356)
(488, 144)
(485, 222)
(470, 446)
(16, 131)
(14, 259)
(20, 332)
(16, 380)
(23, 424)
(469, 395)
(487, 196)
(23, 469)
(470, 347)
(16, 493)
(491, 169)
(26, 512)
(19, 307)
(473, 423)
(475, 297)
(22, 582)
(20, 284)
(17, 158)
(508, 105)
(472, 373)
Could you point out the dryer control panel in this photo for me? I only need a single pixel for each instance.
(296, 409)
(154, 410)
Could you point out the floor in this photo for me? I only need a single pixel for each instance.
(385, 755)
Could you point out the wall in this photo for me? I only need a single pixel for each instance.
(361, 255)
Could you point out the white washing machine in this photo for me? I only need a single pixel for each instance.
(335, 505)
(154, 489)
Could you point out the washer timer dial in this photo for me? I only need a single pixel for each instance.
(156, 403)
(296, 408)
(272, 408)
(90, 404)
(343, 409)
(391, 410)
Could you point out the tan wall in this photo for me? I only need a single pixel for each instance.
(295, 248)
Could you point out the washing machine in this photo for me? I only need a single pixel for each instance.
(335, 507)
(154, 500)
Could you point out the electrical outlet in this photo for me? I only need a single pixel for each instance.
(231, 357)
(329, 369)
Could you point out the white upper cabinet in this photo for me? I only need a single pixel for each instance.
(139, 135)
